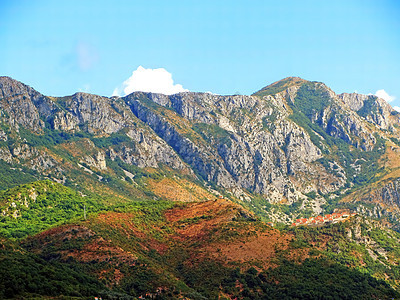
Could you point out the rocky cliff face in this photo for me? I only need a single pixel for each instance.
(294, 142)
(382, 201)
(81, 112)
(231, 135)
(373, 109)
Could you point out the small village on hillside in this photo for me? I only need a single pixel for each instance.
(326, 219)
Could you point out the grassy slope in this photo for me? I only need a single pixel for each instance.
(34, 207)
(279, 86)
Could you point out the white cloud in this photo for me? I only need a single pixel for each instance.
(385, 96)
(397, 108)
(149, 80)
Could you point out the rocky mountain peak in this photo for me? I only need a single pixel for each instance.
(373, 109)
(280, 86)
(10, 87)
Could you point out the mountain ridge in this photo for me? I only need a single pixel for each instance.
(213, 136)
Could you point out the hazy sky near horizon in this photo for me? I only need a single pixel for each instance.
(226, 47)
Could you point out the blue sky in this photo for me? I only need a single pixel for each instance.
(226, 47)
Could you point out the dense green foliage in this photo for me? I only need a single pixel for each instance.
(311, 99)
(213, 133)
(312, 279)
(395, 140)
(313, 130)
(41, 205)
(348, 252)
(114, 139)
(23, 273)
(369, 107)
(49, 137)
(12, 175)
(29, 274)
(268, 121)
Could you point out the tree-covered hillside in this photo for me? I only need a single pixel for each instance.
(202, 250)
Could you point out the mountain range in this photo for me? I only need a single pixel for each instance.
(193, 195)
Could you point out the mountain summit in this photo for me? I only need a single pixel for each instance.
(280, 86)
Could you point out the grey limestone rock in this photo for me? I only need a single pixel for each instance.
(247, 145)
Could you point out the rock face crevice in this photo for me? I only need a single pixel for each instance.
(208, 166)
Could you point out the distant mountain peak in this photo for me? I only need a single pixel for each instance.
(10, 87)
(10, 81)
(279, 86)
